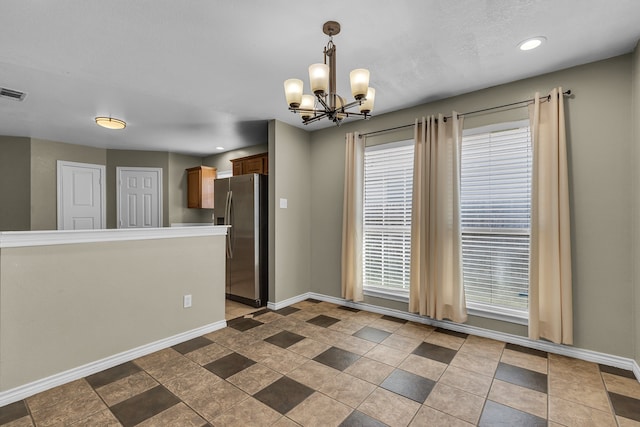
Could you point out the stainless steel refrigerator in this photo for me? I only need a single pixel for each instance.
(241, 201)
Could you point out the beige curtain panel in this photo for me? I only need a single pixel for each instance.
(436, 282)
(550, 294)
(352, 218)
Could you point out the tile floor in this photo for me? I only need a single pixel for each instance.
(318, 364)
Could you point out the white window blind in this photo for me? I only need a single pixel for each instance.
(495, 215)
(388, 181)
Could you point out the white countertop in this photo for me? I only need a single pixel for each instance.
(15, 239)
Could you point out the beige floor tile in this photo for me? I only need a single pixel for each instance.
(626, 422)
(285, 363)
(177, 415)
(367, 317)
(520, 398)
(355, 345)
(249, 412)
(238, 342)
(369, 370)
(262, 350)
(348, 326)
(471, 382)
(173, 368)
(423, 366)
(387, 355)
(254, 378)
(390, 408)
(401, 342)
(429, 417)
(480, 365)
(574, 370)
(127, 387)
(268, 317)
(347, 389)
(303, 315)
(67, 411)
(445, 340)
(578, 392)
(620, 385)
(309, 348)
(415, 330)
(26, 422)
(456, 402)
(482, 347)
(103, 418)
(161, 357)
(574, 414)
(386, 325)
(263, 331)
(313, 374)
(285, 422)
(213, 399)
(208, 354)
(65, 392)
(193, 382)
(319, 410)
(222, 334)
(524, 360)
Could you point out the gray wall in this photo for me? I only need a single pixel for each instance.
(222, 161)
(15, 187)
(599, 145)
(635, 196)
(44, 157)
(289, 229)
(177, 181)
(131, 158)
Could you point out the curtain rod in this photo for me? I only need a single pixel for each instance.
(526, 101)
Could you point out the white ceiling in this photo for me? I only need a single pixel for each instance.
(188, 76)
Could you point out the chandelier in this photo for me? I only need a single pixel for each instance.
(325, 102)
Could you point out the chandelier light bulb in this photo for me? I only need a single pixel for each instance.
(359, 82)
(308, 102)
(367, 106)
(293, 92)
(319, 78)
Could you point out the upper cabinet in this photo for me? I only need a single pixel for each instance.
(258, 163)
(200, 187)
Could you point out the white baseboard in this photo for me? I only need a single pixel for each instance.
(288, 302)
(577, 353)
(38, 386)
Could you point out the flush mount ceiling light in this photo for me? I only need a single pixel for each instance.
(531, 43)
(220, 148)
(110, 123)
(325, 102)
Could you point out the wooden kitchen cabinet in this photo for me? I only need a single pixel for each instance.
(258, 163)
(200, 187)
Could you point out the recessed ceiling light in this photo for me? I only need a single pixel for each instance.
(110, 123)
(532, 43)
(219, 148)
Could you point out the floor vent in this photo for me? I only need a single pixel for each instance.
(16, 95)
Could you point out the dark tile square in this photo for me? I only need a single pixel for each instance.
(351, 309)
(284, 394)
(358, 419)
(260, 312)
(617, 371)
(394, 319)
(287, 311)
(284, 339)
(435, 352)
(372, 334)
(192, 345)
(409, 385)
(13, 411)
(527, 350)
(495, 414)
(315, 301)
(452, 333)
(626, 406)
(143, 406)
(243, 323)
(229, 365)
(324, 321)
(522, 377)
(337, 358)
(112, 374)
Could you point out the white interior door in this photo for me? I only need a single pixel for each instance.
(139, 197)
(81, 196)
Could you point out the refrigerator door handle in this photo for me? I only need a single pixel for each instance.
(229, 221)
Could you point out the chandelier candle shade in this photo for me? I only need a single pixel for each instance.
(325, 102)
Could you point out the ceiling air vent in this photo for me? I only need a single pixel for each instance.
(16, 95)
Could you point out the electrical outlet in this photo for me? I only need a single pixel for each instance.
(186, 301)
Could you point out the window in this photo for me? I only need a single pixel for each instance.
(388, 181)
(495, 215)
